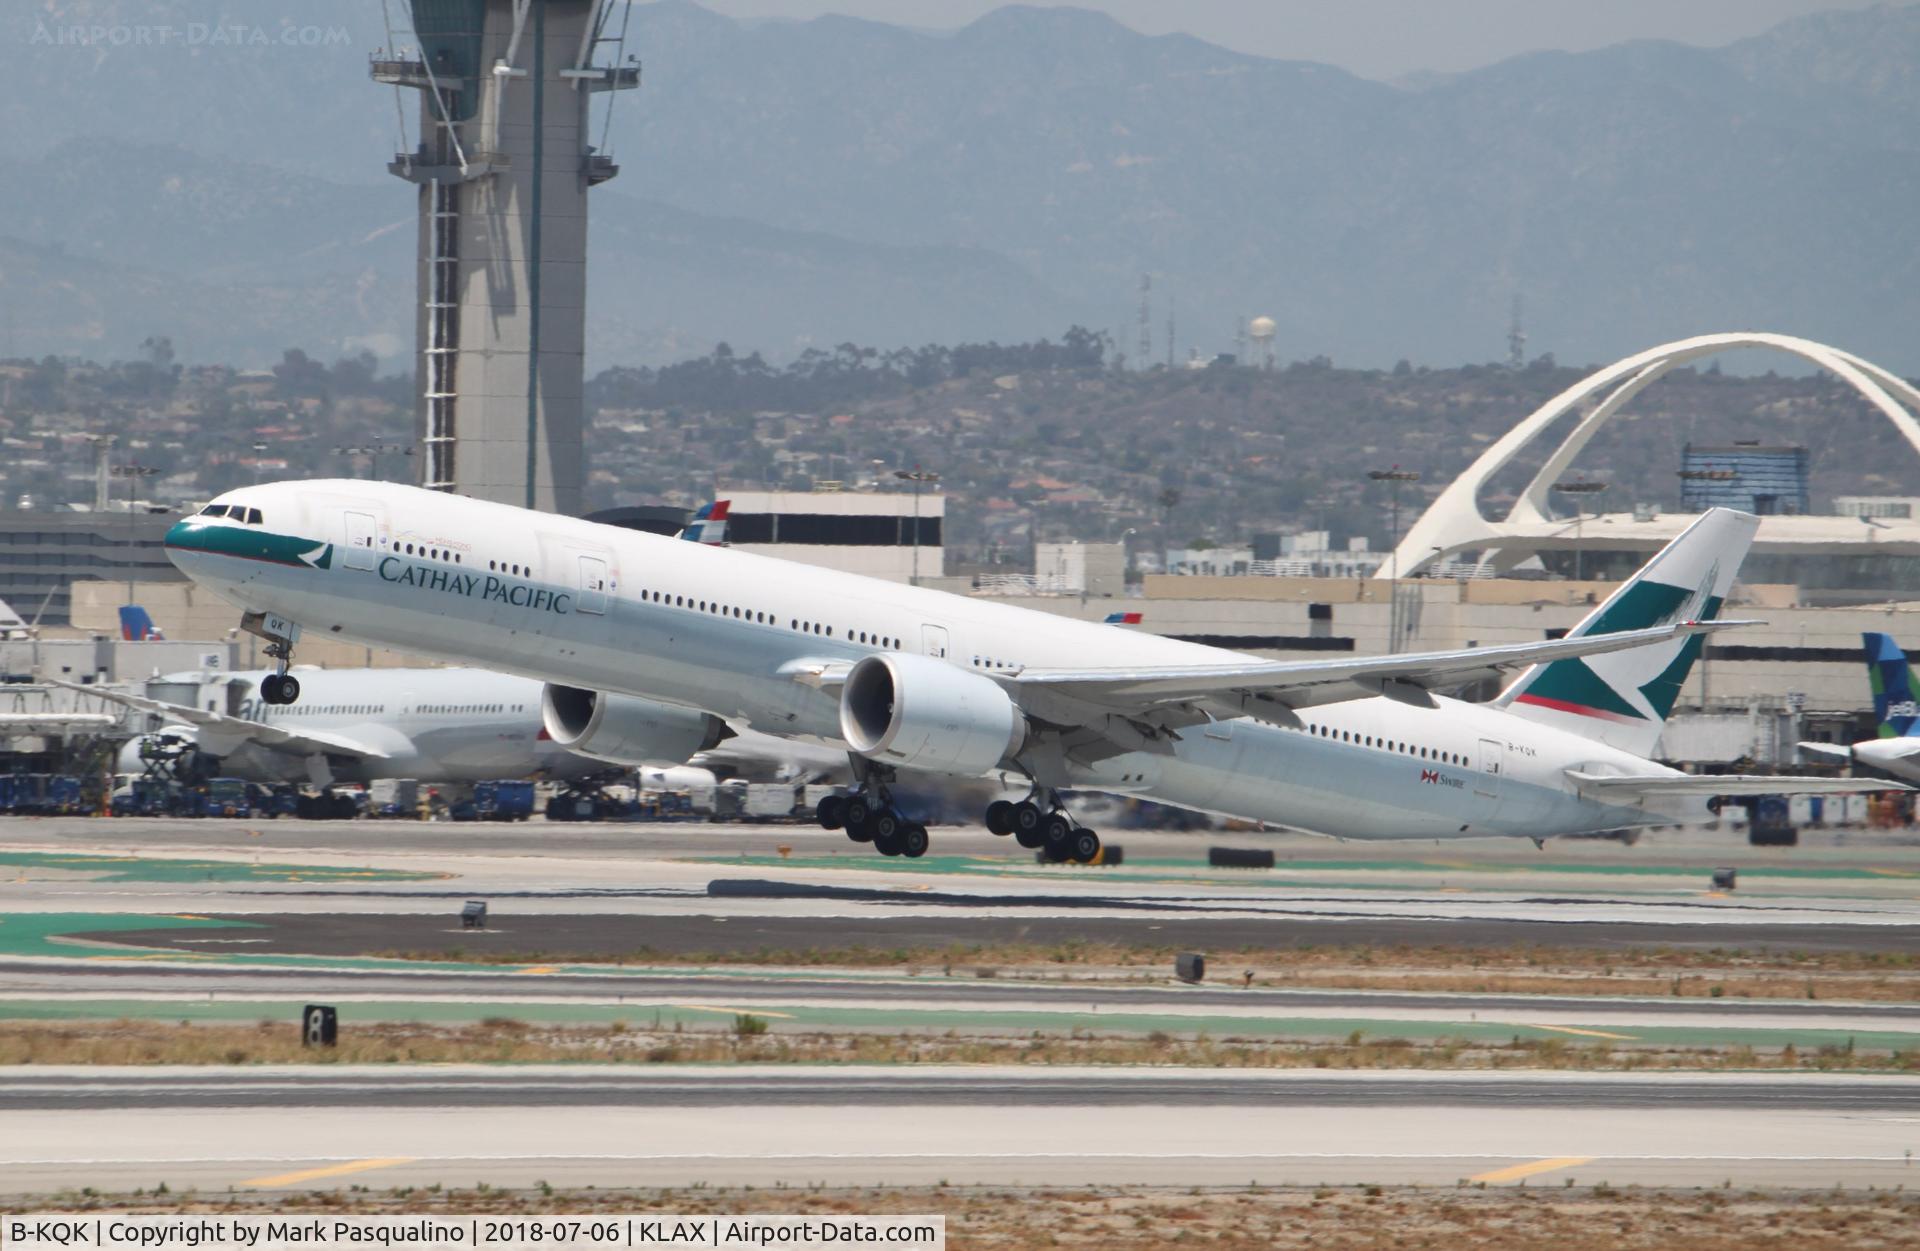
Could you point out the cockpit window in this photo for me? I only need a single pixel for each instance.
(253, 517)
(214, 510)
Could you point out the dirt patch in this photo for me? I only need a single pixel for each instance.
(1711, 973)
(749, 1038)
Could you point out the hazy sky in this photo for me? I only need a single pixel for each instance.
(1373, 38)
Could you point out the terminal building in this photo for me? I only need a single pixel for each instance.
(891, 535)
(45, 554)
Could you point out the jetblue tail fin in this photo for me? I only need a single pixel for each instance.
(137, 627)
(1623, 698)
(1887, 673)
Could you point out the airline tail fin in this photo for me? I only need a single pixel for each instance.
(137, 627)
(1887, 673)
(1622, 698)
(709, 524)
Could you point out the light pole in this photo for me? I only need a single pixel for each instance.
(1126, 553)
(132, 473)
(916, 475)
(1578, 489)
(1394, 477)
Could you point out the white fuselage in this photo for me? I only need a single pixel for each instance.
(738, 635)
(432, 725)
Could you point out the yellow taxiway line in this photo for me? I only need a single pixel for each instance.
(1532, 1168)
(1587, 1033)
(330, 1170)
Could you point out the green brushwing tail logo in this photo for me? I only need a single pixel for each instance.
(1641, 684)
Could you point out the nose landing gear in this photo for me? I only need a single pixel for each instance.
(278, 687)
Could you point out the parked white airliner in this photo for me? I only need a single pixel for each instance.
(430, 725)
(910, 679)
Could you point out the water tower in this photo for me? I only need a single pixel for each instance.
(1261, 331)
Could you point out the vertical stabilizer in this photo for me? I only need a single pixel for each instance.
(137, 627)
(1893, 702)
(1623, 698)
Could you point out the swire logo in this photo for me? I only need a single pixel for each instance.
(1430, 775)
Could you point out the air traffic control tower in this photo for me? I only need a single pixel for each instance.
(507, 105)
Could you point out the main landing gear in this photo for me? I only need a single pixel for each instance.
(870, 819)
(1051, 829)
(869, 816)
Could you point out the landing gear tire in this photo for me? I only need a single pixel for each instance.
(860, 833)
(1027, 818)
(1085, 846)
(913, 840)
(890, 846)
(1030, 839)
(1057, 834)
(886, 827)
(1000, 817)
(857, 812)
(832, 812)
(270, 688)
(289, 689)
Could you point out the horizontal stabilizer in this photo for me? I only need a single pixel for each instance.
(1633, 787)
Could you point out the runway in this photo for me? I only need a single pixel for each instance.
(223, 922)
(579, 1126)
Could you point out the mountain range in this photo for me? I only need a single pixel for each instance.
(790, 184)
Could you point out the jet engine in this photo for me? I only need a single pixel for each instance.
(624, 729)
(915, 711)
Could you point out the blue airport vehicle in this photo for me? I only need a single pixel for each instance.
(226, 797)
(497, 801)
(44, 795)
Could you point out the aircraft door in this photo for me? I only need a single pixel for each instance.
(594, 580)
(357, 541)
(933, 641)
(1493, 761)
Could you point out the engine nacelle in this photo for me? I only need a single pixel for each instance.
(624, 729)
(915, 711)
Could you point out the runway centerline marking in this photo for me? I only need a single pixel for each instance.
(1532, 1168)
(330, 1170)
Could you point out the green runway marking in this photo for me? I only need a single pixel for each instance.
(35, 933)
(719, 1015)
(147, 869)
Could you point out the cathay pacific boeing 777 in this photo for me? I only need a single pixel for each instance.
(910, 680)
